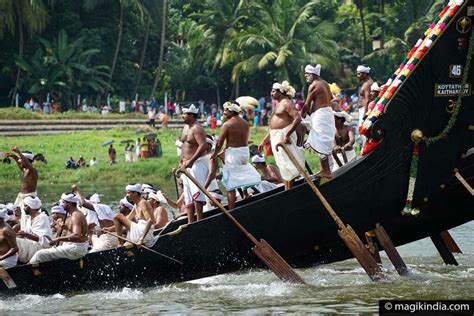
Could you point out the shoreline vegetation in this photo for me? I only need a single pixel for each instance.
(12, 113)
(58, 148)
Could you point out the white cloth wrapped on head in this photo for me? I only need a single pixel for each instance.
(316, 70)
(191, 109)
(323, 130)
(363, 69)
(284, 88)
(126, 203)
(136, 187)
(258, 159)
(343, 114)
(375, 87)
(237, 172)
(232, 106)
(287, 169)
(69, 197)
(33, 202)
(94, 198)
(58, 209)
(199, 171)
(28, 156)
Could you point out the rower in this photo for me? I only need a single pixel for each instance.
(161, 215)
(75, 244)
(140, 232)
(99, 216)
(8, 246)
(271, 176)
(37, 233)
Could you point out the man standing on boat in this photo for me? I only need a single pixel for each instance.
(37, 234)
(195, 160)
(29, 180)
(237, 172)
(318, 107)
(363, 74)
(140, 232)
(74, 242)
(283, 125)
(8, 246)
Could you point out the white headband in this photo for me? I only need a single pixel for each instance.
(363, 68)
(69, 197)
(33, 202)
(126, 203)
(316, 70)
(344, 115)
(94, 198)
(375, 87)
(231, 106)
(58, 209)
(284, 88)
(258, 159)
(137, 187)
(148, 190)
(191, 109)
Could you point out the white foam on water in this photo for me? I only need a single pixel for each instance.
(125, 294)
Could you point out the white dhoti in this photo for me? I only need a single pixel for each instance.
(265, 186)
(68, 250)
(287, 169)
(27, 248)
(350, 155)
(237, 172)
(103, 242)
(136, 233)
(9, 262)
(19, 203)
(323, 129)
(199, 171)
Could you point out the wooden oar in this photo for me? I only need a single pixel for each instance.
(176, 185)
(344, 156)
(346, 232)
(144, 247)
(262, 249)
(450, 243)
(7, 279)
(336, 158)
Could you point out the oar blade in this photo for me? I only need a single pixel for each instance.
(361, 253)
(7, 279)
(276, 263)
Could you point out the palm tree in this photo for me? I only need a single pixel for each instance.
(162, 48)
(123, 5)
(29, 15)
(360, 8)
(285, 38)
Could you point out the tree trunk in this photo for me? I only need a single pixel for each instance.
(218, 95)
(117, 47)
(360, 6)
(237, 87)
(162, 49)
(20, 54)
(143, 54)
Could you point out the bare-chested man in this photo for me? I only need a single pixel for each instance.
(270, 172)
(195, 160)
(283, 125)
(318, 106)
(74, 241)
(8, 247)
(29, 179)
(363, 74)
(161, 215)
(140, 232)
(237, 173)
(344, 139)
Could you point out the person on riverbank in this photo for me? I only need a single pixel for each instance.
(37, 234)
(318, 107)
(29, 180)
(237, 173)
(139, 232)
(8, 246)
(283, 126)
(112, 154)
(74, 242)
(195, 161)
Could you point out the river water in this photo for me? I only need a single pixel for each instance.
(341, 287)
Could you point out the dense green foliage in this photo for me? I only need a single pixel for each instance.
(212, 49)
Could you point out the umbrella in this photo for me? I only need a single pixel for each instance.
(126, 141)
(108, 142)
(150, 136)
(247, 102)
